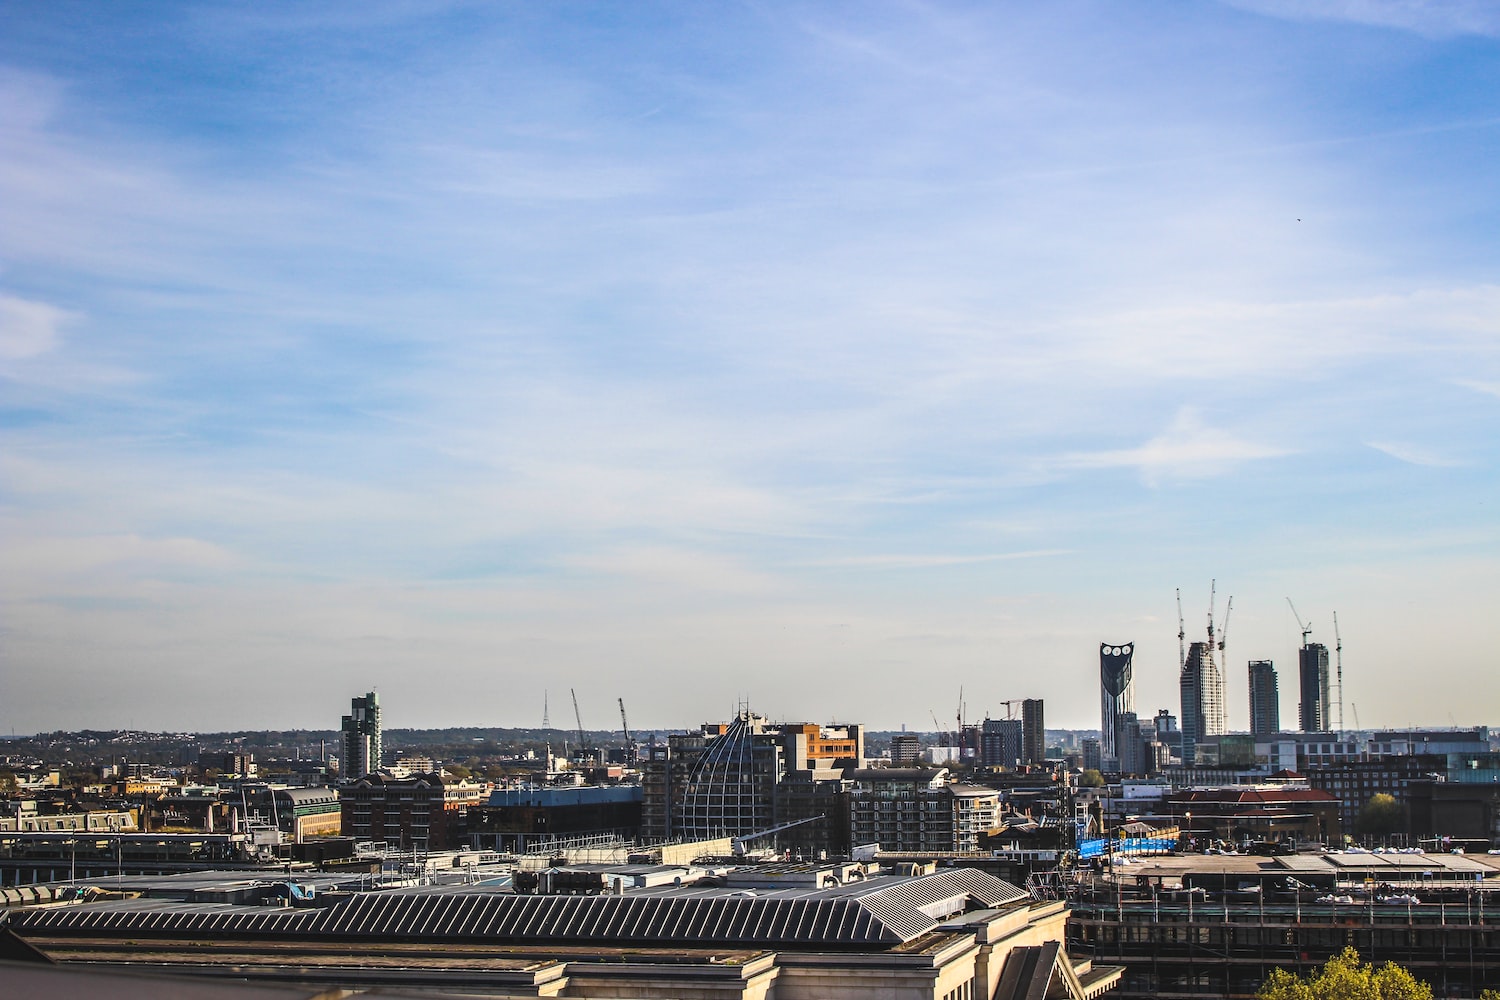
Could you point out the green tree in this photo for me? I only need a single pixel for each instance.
(1091, 778)
(1381, 816)
(1345, 977)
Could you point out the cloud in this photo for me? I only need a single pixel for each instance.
(896, 561)
(28, 328)
(1187, 449)
(1434, 18)
(1413, 454)
(1488, 388)
(674, 567)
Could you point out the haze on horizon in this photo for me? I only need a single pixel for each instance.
(828, 357)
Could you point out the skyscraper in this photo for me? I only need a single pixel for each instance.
(1117, 693)
(1265, 699)
(1202, 689)
(1033, 732)
(361, 738)
(1312, 669)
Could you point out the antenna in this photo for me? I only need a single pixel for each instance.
(1338, 652)
(546, 722)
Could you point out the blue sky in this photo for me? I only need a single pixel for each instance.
(829, 357)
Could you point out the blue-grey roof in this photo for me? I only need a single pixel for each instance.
(879, 913)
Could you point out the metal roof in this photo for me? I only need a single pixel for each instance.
(879, 913)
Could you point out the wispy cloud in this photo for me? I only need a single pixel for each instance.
(28, 328)
(1187, 449)
(1437, 18)
(1413, 454)
(931, 561)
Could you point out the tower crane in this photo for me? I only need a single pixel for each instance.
(1010, 711)
(936, 724)
(1338, 653)
(1305, 627)
(583, 746)
(1224, 628)
(1181, 634)
(625, 727)
(1213, 586)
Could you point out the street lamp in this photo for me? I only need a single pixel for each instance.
(1187, 818)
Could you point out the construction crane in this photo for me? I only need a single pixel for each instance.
(625, 727)
(1181, 634)
(583, 746)
(1338, 653)
(1305, 627)
(1010, 712)
(1224, 629)
(1213, 586)
(937, 725)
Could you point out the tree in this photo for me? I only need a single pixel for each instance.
(1091, 778)
(1381, 816)
(1344, 977)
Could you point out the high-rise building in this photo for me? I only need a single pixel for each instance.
(1001, 742)
(1312, 668)
(1131, 743)
(1265, 699)
(361, 738)
(906, 750)
(1202, 689)
(1093, 755)
(1033, 732)
(1117, 693)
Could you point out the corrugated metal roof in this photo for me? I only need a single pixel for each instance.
(881, 913)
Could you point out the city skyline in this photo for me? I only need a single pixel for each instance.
(774, 353)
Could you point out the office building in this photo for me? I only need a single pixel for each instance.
(1000, 742)
(906, 750)
(1033, 732)
(361, 738)
(1312, 669)
(420, 813)
(1202, 687)
(1117, 692)
(1131, 744)
(1093, 754)
(1265, 699)
(1395, 742)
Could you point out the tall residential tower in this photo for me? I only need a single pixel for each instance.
(1312, 670)
(361, 738)
(1118, 694)
(1265, 699)
(1202, 698)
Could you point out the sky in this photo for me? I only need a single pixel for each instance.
(849, 361)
